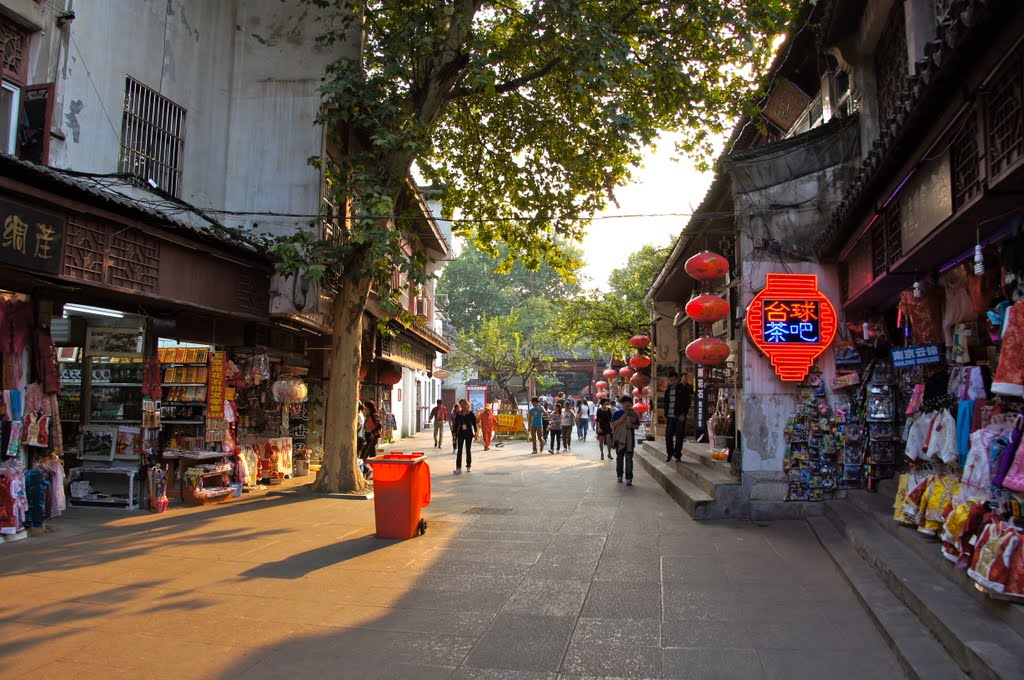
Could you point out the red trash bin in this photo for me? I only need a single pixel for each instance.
(401, 489)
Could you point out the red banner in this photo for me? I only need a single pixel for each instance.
(215, 385)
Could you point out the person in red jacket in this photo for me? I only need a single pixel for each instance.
(439, 414)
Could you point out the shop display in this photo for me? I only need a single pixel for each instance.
(815, 446)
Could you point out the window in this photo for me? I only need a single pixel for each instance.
(152, 138)
(10, 101)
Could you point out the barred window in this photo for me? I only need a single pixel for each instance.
(152, 138)
(891, 69)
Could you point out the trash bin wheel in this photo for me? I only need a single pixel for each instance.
(421, 528)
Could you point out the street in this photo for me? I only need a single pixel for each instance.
(533, 566)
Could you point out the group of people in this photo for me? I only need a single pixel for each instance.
(552, 427)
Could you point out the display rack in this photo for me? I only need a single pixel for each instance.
(200, 467)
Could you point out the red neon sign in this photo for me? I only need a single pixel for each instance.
(792, 322)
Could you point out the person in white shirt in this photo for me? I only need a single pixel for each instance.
(582, 419)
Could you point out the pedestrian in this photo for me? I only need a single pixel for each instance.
(439, 414)
(583, 419)
(678, 396)
(456, 409)
(487, 420)
(535, 417)
(555, 430)
(371, 430)
(603, 416)
(465, 427)
(568, 422)
(624, 437)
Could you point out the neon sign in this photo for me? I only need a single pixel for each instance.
(792, 322)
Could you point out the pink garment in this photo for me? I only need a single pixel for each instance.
(978, 468)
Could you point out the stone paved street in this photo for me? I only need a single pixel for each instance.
(534, 566)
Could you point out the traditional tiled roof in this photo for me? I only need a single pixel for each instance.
(115, 194)
(946, 61)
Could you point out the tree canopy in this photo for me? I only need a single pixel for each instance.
(528, 114)
(607, 319)
(475, 288)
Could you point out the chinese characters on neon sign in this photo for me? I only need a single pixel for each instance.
(791, 321)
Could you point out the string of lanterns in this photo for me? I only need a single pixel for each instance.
(706, 308)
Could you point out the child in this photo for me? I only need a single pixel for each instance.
(603, 417)
(624, 424)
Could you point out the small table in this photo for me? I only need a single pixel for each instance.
(128, 504)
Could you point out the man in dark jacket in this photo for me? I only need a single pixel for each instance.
(676, 403)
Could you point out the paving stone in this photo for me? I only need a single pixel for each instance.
(612, 659)
(638, 632)
(827, 663)
(722, 664)
(625, 600)
(547, 597)
(521, 642)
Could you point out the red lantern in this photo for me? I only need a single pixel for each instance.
(641, 408)
(707, 308)
(707, 266)
(601, 395)
(640, 361)
(792, 322)
(639, 341)
(640, 380)
(641, 392)
(600, 384)
(707, 351)
(626, 372)
(389, 376)
(610, 373)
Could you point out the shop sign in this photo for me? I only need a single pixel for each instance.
(792, 322)
(916, 355)
(215, 386)
(700, 426)
(30, 239)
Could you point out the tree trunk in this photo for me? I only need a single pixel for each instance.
(339, 472)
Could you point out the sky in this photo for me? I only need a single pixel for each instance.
(663, 186)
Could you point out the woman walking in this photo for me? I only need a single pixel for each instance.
(371, 430)
(465, 427)
(556, 430)
(568, 420)
(604, 429)
(456, 409)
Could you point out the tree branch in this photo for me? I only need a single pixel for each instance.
(511, 85)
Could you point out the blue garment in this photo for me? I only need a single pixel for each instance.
(36, 483)
(536, 416)
(964, 418)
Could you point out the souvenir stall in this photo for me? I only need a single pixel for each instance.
(270, 396)
(944, 413)
(31, 450)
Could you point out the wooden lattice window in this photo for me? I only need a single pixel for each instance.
(152, 138)
(965, 163)
(14, 40)
(886, 240)
(891, 66)
(1006, 116)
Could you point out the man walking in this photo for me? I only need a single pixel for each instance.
(677, 400)
(439, 414)
(624, 425)
(465, 433)
(535, 418)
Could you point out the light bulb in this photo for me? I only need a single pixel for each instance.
(979, 261)
(864, 331)
(917, 290)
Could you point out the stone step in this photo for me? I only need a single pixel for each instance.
(981, 645)
(918, 652)
(702, 492)
(878, 506)
(706, 477)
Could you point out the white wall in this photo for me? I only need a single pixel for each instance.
(246, 71)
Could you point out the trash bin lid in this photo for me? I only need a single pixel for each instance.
(405, 458)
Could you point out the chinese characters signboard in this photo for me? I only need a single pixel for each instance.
(215, 386)
(29, 238)
(792, 322)
(915, 355)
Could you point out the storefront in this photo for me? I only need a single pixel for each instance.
(139, 357)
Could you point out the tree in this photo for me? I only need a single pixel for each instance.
(506, 347)
(528, 113)
(476, 288)
(606, 320)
